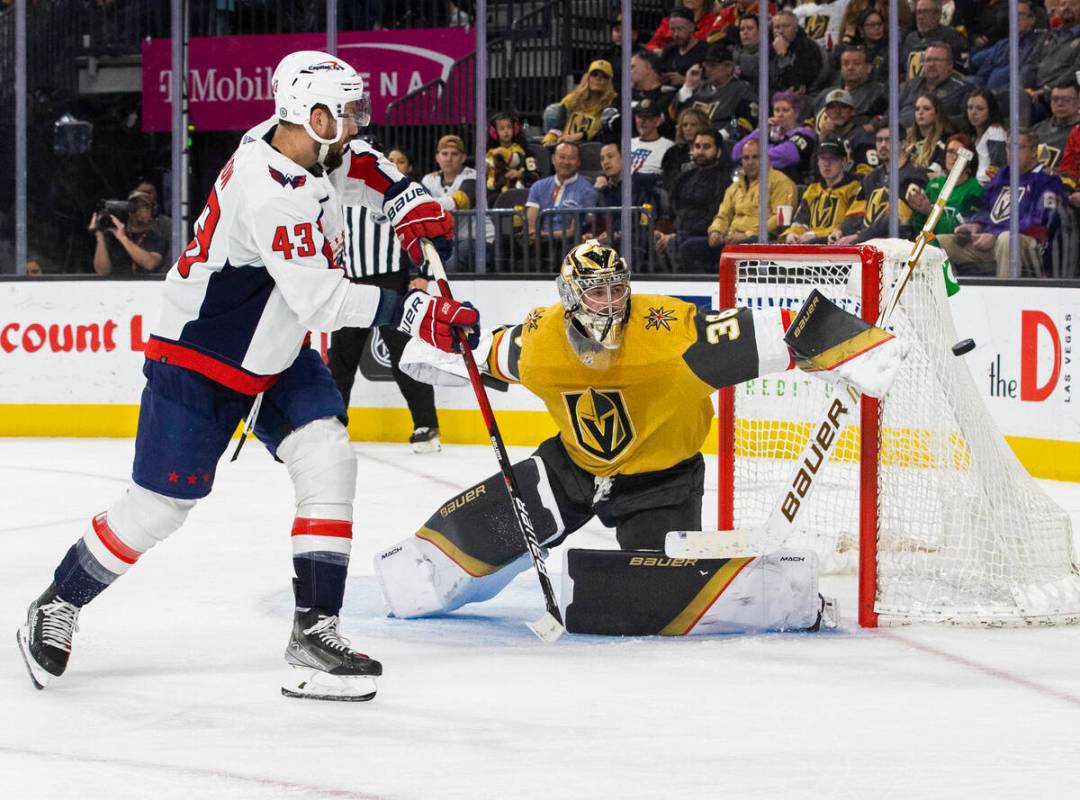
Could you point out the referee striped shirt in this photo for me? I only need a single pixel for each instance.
(371, 248)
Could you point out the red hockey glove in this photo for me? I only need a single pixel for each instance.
(415, 216)
(433, 319)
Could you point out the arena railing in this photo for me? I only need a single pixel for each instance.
(509, 251)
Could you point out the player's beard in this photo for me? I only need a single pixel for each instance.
(334, 156)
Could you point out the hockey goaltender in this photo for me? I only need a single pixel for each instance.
(627, 378)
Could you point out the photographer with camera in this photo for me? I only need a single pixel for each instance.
(126, 246)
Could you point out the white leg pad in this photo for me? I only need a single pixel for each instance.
(322, 466)
(134, 523)
(417, 579)
(777, 592)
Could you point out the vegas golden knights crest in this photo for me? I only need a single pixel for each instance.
(816, 25)
(823, 212)
(877, 206)
(601, 424)
(1048, 156)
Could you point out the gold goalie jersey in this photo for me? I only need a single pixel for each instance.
(649, 407)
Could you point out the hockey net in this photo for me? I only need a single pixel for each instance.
(952, 527)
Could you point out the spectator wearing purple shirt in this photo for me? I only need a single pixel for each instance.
(791, 145)
(986, 237)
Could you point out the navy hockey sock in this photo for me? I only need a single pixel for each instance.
(80, 577)
(320, 580)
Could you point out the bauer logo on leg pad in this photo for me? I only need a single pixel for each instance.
(658, 561)
(461, 500)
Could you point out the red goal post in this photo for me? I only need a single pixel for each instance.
(869, 261)
(921, 496)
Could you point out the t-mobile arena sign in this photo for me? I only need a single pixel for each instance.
(229, 76)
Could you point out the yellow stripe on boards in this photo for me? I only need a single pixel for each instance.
(90, 421)
(1043, 458)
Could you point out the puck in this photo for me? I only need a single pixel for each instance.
(963, 346)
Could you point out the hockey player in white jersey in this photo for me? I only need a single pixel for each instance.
(237, 306)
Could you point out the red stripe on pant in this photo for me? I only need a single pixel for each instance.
(307, 526)
(112, 541)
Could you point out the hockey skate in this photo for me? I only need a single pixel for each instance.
(425, 440)
(45, 639)
(322, 664)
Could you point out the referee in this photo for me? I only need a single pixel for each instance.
(373, 256)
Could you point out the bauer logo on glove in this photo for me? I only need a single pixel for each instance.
(840, 347)
(416, 215)
(432, 319)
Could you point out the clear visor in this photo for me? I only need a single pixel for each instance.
(359, 111)
(605, 301)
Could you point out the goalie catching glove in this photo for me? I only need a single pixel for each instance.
(839, 347)
(432, 319)
(416, 215)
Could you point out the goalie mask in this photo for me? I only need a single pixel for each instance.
(309, 78)
(594, 287)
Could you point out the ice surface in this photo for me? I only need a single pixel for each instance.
(173, 687)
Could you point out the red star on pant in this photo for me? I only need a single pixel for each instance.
(206, 477)
(192, 479)
(173, 477)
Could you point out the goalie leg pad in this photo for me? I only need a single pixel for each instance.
(619, 593)
(469, 549)
(417, 580)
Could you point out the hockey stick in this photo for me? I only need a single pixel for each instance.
(550, 626)
(780, 525)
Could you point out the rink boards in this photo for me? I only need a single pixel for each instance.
(71, 354)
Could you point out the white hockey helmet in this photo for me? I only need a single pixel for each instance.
(307, 78)
(594, 286)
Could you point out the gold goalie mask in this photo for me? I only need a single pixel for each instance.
(594, 287)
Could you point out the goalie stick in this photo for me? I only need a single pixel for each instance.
(550, 626)
(780, 525)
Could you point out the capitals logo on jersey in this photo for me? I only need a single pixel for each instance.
(601, 423)
(295, 181)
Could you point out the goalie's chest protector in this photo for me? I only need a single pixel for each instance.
(644, 411)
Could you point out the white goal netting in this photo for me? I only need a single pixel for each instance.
(963, 532)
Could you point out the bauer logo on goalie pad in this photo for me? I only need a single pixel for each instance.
(601, 423)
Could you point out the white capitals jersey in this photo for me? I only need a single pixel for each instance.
(264, 266)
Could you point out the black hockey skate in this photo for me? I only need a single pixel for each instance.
(45, 639)
(323, 665)
(425, 440)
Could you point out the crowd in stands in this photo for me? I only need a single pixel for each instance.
(696, 150)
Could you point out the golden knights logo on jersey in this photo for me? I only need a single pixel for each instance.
(823, 212)
(816, 26)
(999, 212)
(1048, 156)
(601, 423)
(877, 206)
